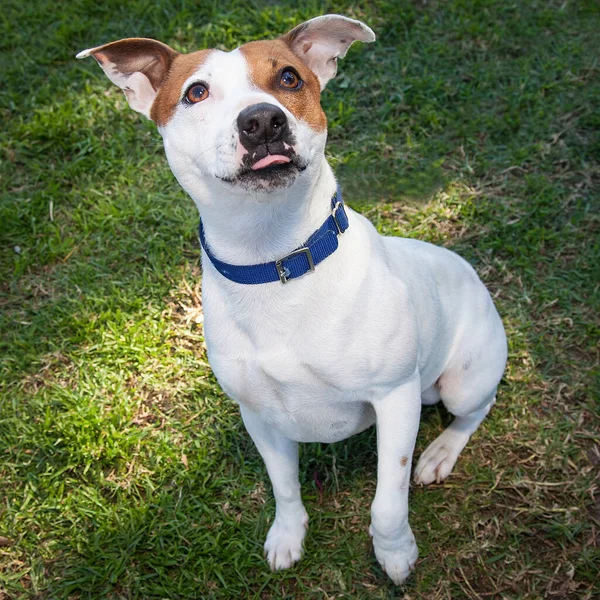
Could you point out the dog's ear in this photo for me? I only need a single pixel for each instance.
(322, 40)
(137, 65)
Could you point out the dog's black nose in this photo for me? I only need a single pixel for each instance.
(262, 123)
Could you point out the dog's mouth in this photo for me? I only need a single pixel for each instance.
(267, 167)
(271, 160)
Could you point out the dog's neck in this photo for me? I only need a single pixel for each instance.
(246, 229)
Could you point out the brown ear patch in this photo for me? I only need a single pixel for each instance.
(265, 61)
(150, 57)
(169, 95)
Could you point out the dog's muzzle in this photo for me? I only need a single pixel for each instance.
(270, 161)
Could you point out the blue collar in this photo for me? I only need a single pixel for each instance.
(317, 248)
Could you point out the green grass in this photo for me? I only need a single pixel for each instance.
(125, 472)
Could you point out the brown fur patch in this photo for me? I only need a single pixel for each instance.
(150, 57)
(404, 460)
(169, 94)
(266, 59)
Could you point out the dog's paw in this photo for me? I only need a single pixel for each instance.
(283, 547)
(437, 461)
(399, 560)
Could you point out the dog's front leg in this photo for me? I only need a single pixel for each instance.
(284, 540)
(397, 425)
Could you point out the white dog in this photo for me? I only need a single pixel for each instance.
(315, 324)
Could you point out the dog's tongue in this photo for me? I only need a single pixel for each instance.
(270, 159)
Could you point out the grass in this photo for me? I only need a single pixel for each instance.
(126, 472)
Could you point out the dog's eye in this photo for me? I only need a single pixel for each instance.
(290, 80)
(196, 93)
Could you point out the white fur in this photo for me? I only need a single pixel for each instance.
(380, 324)
(356, 342)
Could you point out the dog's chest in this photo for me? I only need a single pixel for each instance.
(313, 381)
(293, 396)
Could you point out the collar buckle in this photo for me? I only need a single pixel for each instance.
(284, 272)
(334, 210)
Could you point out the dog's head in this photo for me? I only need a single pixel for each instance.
(249, 119)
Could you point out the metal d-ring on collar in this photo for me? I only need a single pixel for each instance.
(317, 248)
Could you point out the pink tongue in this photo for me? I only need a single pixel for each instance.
(270, 159)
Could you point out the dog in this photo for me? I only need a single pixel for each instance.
(317, 326)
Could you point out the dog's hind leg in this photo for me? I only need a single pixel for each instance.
(468, 390)
(283, 547)
(437, 461)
